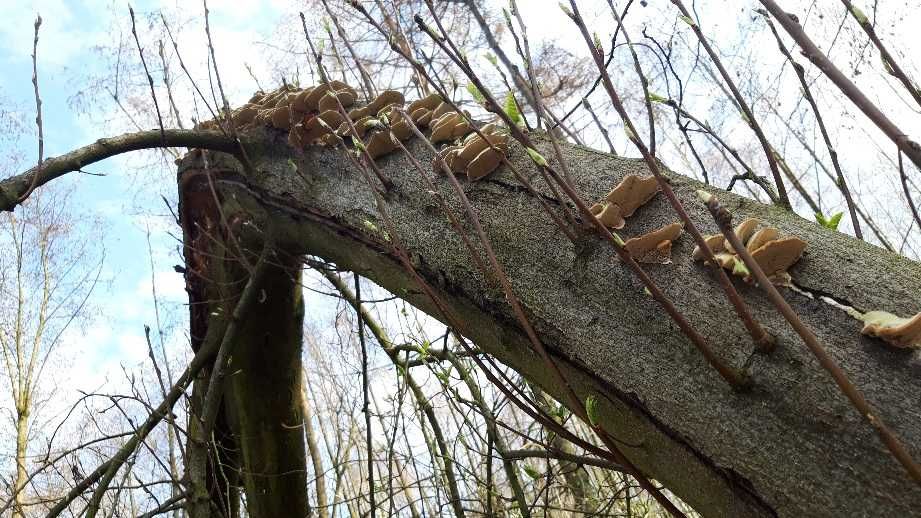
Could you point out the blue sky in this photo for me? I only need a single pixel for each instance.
(69, 31)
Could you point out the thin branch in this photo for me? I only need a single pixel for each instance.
(15, 189)
(153, 93)
(784, 201)
(911, 203)
(892, 66)
(364, 389)
(809, 49)
(38, 114)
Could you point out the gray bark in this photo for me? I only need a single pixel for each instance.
(793, 446)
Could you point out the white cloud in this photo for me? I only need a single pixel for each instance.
(62, 35)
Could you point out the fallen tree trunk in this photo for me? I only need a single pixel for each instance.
(793, 446)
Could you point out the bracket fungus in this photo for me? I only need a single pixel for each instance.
(630, 194)
(312, 116)
(421, 111)
(383, 100)
(476, 156)
(656, 246)
(449, 126)
(773, 253)
(893, 329)
(608, 214)
(315, 128)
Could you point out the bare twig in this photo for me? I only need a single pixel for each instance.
(38, 116)
(904, 179)
(892, 66)
(186, 70)
(169, 84)
(153, 93)
(807, 92)
(790, 24)
(601, 128)
(364, 389)
(784, 201)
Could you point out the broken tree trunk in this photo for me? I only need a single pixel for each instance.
(257, 440)
(793, 446)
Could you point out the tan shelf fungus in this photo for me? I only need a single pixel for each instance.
(893, 329)
(477, 156)
(630, 194)
(654, 247)
(773, 253)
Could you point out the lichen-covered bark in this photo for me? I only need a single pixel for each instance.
(792, 447)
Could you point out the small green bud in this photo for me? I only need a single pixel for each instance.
(537, 157)
(739, 268)
(476, 93)
(688, 20)
(858, 15)
(567, 10)
(629, 132)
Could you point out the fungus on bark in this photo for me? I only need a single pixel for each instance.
(608, 214)
(630, 194)
(477, 156)
(893, 329)
(773, 253)
(449, 126)
(656, 246)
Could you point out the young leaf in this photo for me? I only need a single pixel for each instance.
(531, 471)
(492, 59)
(831, 222)
(511, 109)
(591, 408)
(476, 93)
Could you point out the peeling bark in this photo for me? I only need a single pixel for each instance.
(791, 447)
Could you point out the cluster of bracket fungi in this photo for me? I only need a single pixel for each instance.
(312, 117)
(773, 252)
(630, 194)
